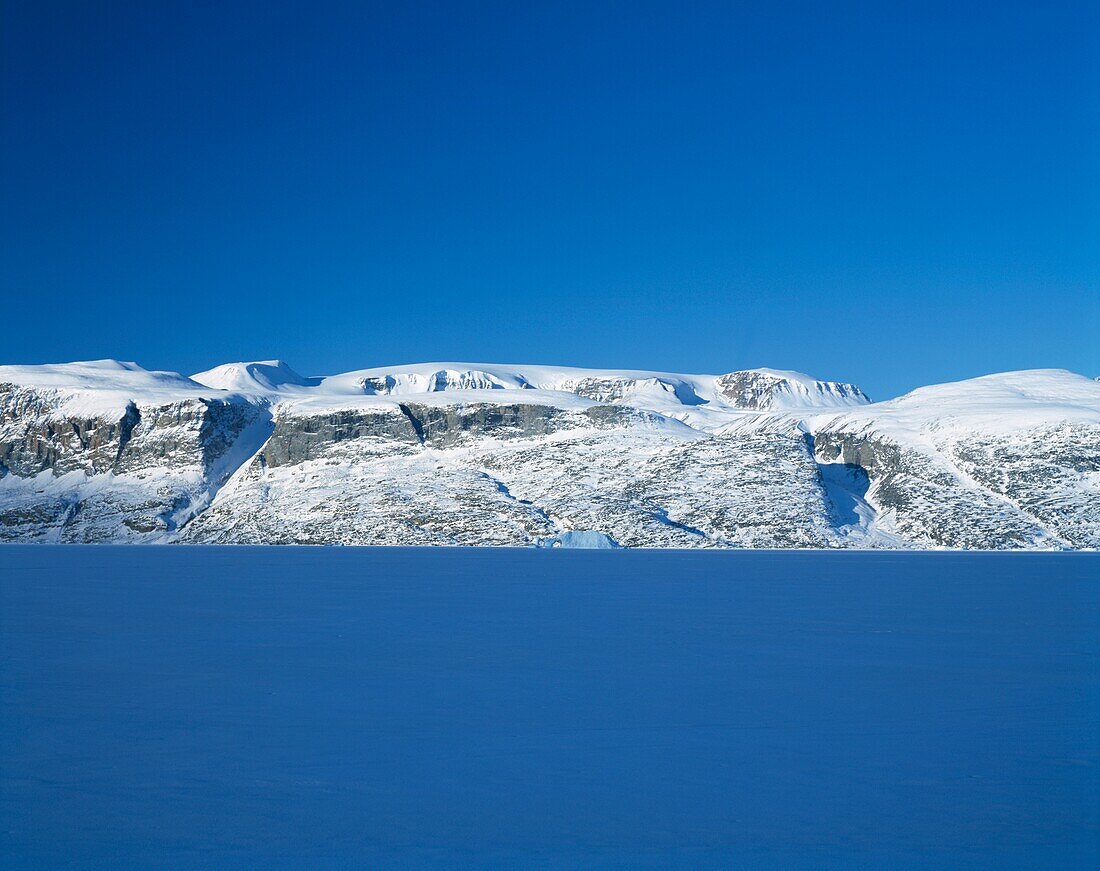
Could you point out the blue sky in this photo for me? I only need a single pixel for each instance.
(892, 194)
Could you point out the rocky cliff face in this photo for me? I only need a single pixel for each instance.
(460, 455)
(98, 477)
(36, 440)
(927, 502)
(763, 391)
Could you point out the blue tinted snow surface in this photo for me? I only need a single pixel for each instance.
(311, 708)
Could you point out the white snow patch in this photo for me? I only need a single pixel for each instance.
(264, 377)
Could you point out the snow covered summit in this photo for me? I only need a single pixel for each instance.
(670, 393)
(265, 376)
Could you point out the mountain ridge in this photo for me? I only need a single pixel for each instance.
(475, 453)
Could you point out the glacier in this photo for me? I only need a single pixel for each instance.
(455, 453)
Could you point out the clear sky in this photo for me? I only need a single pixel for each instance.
(887, 193)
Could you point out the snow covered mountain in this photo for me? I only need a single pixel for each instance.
(486, 454)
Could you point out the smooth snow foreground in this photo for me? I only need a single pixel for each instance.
(487, 454)
(391, 708)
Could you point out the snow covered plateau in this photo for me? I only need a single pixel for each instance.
(483, 454)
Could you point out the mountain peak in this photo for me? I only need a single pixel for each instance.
(261, 376)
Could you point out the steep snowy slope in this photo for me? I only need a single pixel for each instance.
(460, 453)
(1009, 459)
(518, 475)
